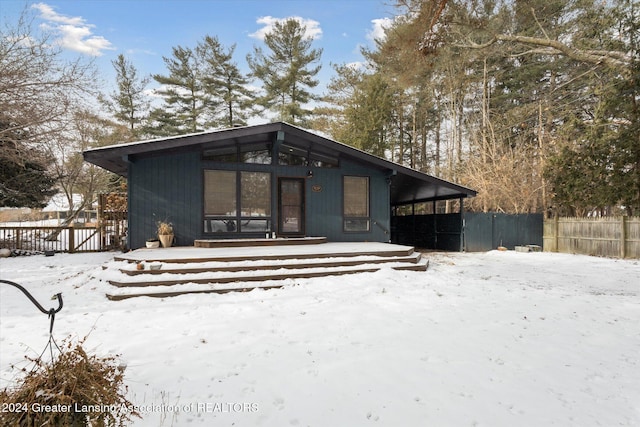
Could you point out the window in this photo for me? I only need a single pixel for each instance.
(292, 156)
(225, 212)
(256, 153)
(259, 153)
(228, 154)
(220, 193)
(321, 160)
(256, 194)
(356, 203)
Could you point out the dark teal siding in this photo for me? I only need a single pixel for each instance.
(171, 188)
(324, 208)
(167, 188)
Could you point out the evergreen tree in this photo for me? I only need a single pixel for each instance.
(128, 103)
(24, 177)
(596, 165)
(185, 103)
(368, 116)
(287, 71)
(223, 81)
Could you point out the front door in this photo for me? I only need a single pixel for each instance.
(291, 206)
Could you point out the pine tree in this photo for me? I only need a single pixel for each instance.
(185, 103)
(287, 71)
(128, 103)
(25, 180)
(225, 84)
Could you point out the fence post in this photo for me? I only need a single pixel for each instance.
(18, 238)
(556, 227)
(623, 237)
(71, 238)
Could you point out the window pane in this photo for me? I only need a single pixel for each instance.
(219, 193)
(322, 160)
(256, 153)
(220, 226)
(255, 225)
(292, 156)
(227, 154)
(356, 196)
(356, 225)
(256, 194)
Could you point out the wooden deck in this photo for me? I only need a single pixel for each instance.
(234, 243)
(185, 270)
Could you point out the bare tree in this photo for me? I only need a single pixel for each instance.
(38, 87)
(38, 90)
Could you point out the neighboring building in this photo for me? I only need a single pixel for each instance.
(255, 181)
(58, 208)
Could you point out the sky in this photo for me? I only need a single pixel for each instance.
(146, 30)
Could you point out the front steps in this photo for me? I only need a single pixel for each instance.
(179, 271)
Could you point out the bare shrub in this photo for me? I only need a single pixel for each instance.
(75, 389)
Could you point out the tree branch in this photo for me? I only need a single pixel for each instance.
(612, 59)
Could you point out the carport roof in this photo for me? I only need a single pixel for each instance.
(407, 185)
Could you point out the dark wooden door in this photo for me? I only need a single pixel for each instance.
(291, 207)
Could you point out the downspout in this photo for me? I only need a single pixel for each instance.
(129, 199)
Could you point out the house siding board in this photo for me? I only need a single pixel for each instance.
(165, 188)
(325, 207)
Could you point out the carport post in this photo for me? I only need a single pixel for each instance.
(461, 224)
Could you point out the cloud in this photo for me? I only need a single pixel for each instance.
(140, 52)
(313, 29)
(72, 32)
(378, 29)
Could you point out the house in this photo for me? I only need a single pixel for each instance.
(261, 181)
(58, 208)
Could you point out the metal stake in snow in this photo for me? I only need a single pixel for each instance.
(51, 312)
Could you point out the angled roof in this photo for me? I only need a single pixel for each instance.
(407, 185)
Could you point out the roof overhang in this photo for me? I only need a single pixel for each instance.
(407, 185)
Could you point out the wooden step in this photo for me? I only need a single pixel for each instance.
(120, 297)
(181, 255)
(320, 262)
(222, 270)
(266, 276)
(160, 294)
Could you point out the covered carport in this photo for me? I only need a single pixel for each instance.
(427, 212)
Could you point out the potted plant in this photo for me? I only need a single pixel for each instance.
(165, 233)
(153, 243)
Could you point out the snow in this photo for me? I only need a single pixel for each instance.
(493, 339)
(190, 252)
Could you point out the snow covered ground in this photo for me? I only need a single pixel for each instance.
(493, 339)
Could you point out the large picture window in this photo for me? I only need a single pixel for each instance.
(356, 203)
(233, 208)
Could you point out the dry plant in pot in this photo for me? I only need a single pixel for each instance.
(165, 233)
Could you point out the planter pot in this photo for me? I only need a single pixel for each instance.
(153, 244)
(166, 240)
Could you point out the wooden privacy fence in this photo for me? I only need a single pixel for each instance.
(608, 236)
